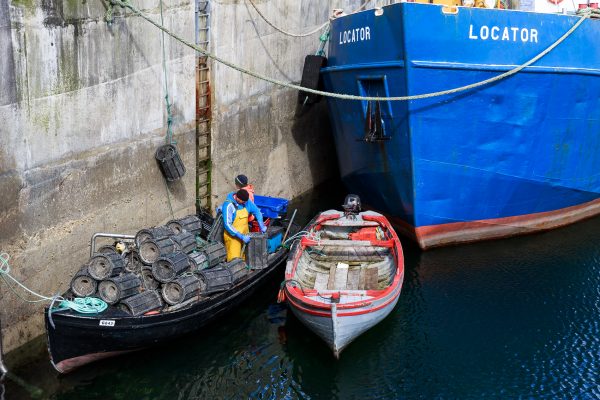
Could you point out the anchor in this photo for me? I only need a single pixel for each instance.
(374, 125)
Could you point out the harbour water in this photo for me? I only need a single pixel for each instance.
(516, 318)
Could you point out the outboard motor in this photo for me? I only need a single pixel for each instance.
(351, 205)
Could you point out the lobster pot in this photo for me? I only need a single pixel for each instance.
(152, 233)
(181, 289)
(215, 280)
(191, 223)
(152, 249)
(215, 252)
(185, 241)
(170, 162)
(133, 262)
(207, 222)
(165, 269)
(148, 281)
(82, 284)
(141, 303)
(216, 232)
(107, 249)
(257, 256)
(114, 289)
(238, 268)
(104, 265)
(198, 261)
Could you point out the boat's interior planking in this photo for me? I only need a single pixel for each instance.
(337, 262)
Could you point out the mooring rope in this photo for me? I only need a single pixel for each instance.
(323, 25)
(585, 14)
(86, 305)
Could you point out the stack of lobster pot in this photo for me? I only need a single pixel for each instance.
(82, 284)
(216, 231)
(133, 262)
(167, 268)
(185, 242)
(152, 249)
(148, 280)
(142, 303)
(215, 280)
(191, 224)
(257, 255)
(208, 256)
(105, 265)
(152, 233)
(181, 289)
(238, 268)
(114, 289)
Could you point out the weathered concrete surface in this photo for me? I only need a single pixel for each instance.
(82, 110)
(258, 129)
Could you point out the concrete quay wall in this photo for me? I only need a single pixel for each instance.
(83, 111)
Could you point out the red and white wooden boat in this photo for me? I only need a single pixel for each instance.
(344, 275)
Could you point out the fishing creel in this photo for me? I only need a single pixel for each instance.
(215, 253)
(82, 284)
(181, 289)
(104, 265)
(167, 268)
(106, 249)
(133, 262)
(148, 280)
(198, 261)
(141, 303)
(152, 249)
(216, 232)
(207, 222)
(238, 268)
(257, 256)
(191, 223)
(215, 280)
(170, 162)
(185, 241)
(120, 287)
(152, 233)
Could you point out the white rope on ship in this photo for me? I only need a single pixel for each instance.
(298, 34)
(585, 14)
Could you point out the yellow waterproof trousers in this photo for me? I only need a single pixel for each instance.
(233, 245)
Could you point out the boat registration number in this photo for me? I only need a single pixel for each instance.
(107, 322)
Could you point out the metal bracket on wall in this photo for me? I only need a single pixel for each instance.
(203, 109)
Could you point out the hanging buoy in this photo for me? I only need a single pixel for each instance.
(170, 162)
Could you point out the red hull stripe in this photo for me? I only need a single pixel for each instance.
(298, 303)
(464, 232)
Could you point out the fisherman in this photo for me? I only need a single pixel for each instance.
(236, 209)
(241, 182)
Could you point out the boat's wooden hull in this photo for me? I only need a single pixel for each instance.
(339, 314)
(339, 328)
(77, 339)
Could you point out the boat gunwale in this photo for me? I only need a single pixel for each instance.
(299, 295)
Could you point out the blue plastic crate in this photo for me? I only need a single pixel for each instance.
(271, 207)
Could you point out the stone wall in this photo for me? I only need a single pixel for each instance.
(82, 110)
(258, 128)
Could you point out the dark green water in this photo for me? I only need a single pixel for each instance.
(516, 318)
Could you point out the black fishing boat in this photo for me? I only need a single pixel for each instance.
(76, 339)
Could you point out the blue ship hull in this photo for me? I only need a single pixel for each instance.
(515, 156)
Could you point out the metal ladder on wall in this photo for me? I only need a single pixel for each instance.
(203, 109)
